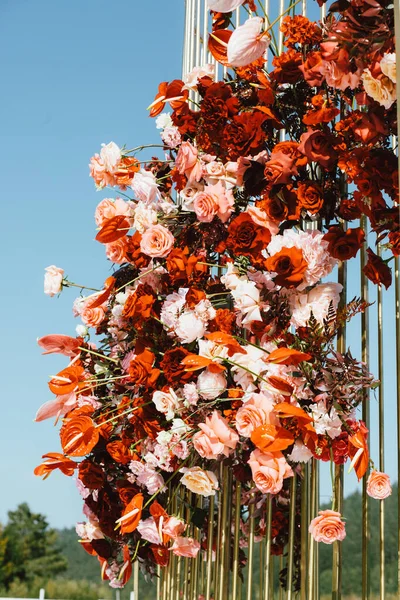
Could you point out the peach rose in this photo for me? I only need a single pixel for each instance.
(255, 412)
(388, 66)
(199, 482)
(53, 278)
(378, 485)
(173, 527)
(381, 90)
(269, 471)
(157, 241)
(215, 437)
(116, 251)
(187, 547)
(328, 527)
(109, 208)
(215, 200)
(92, 317)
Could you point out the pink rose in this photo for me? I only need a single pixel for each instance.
(213, 201)
(109, 208)
(186, 157)
(317, 147)
(53, 278)
(174, 527)
(92, 317)
(328, 527)
(378, 485)
(269, 471)
(216, 437)
(187, 547)
(115, 251)
(99, 173)
(255, 412)
(157, 241)
(260, 218)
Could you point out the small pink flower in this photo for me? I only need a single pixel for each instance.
(157, 241)
(247, 43)
(378, 485)
(186, 157)
(187, 547)
(53, 280)
(328, 527)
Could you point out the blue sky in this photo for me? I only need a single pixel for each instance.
(76, 74)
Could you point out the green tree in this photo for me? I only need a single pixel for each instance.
(28, 548)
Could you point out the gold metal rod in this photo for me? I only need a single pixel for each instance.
(267, 561)
(304, 532)
(292, 526)
(381, 397)
(210, 538)
(280, 569)
(235, 576)
(217, 548)
(250, 559)
(397, 301)
(311, 543)
(136, 580)
(365, 418)
(316, 554)
(223, 540)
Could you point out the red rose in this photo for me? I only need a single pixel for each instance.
(317, 146)
(246, 238)
(344, 244)
(377, 270)
(290, 265)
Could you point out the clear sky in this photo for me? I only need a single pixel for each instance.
(75, 74)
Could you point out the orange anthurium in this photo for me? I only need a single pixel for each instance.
(105, 294)
(60, 344)
(358, 451)
(224, 339)
(126, 571)
(131, 515)
(87, 546)
(194, 362)
(287, 356)
(269, 438)
(53, 461)
(66, 381)
(160, 516)
(281, 385)
(284, 410)
(79, 435)
(113, 229)
(168, 92)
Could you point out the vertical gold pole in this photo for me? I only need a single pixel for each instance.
(381, 397)
(218, 548)
(304, 533)
(235, 575)
(397, 300)
(292, 525)
(365, 418)
(223, 539)
(187, 573)
(210, 536)
(250, 559)
(312, 544)
(268, 557)
(136, 579)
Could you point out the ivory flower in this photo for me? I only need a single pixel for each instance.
(199, 482)
(110, 154)
(53, 278)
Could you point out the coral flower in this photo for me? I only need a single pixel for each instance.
(328, 527)
(378, 485)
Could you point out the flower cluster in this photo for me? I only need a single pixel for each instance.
(215, 336)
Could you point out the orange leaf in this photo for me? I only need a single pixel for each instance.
(131, 515)
(194, 362)
(99, 300)
(113, 229)
(79, 436)
(224, 339)
(287, 356)
(269, 438)
(218, 45)
(284, 410)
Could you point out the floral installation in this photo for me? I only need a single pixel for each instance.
(215, 338)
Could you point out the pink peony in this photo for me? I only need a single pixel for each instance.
(378, 485)
(53, 278)
(187, 547)
(328, 527)
(157, 241)
(269, 471)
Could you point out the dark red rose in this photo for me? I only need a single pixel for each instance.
(377, 270)
(91, 474)
(344, 244)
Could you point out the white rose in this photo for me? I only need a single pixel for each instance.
(144, 217)
(166, 402)
(110, 154)
(211, 385)
(164, 120)
(81, 330)
(145, 186)
(53, 280)
(388, 65)
(199, 482)
(247, 299)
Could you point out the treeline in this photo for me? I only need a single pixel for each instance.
(32, 555)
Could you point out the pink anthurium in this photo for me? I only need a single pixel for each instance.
(224, 6)
(247, 43)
